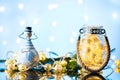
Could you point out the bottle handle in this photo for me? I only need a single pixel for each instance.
(21, 36)
(81, 31)
(9, 55)
(94, 31)
(36, 37)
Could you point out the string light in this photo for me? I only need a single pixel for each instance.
(2, 9)
(114, 15)
(21, 6)
(22, 23)
(72, 40)
(54, 23)
(52, 6)
(86, 18)
(4, 42)
(18, 40)
(113, 57)
(74, 34)
(52, 39)
(35, 21)
(1, 29)
(47, 49)
(80, 1)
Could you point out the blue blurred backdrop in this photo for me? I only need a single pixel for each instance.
(56, 23)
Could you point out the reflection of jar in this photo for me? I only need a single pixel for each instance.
(93, 77)
(93, 50)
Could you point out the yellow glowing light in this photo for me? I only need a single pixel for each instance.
(22, 76)
(92, 51)
(117, 70)
(117, 62)
(42, 56)
(22, 67)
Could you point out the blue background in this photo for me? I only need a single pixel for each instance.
(57, 23)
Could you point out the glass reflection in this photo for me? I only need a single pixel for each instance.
(28, 75)
(91, 76)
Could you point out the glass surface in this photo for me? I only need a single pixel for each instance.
(105, 74)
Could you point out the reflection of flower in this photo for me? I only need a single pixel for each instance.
(117, 70)
(10, 74)
(117, 63)
(22, 76)
(22, 67)
(47, 68)
(27, 75)
(58, 76)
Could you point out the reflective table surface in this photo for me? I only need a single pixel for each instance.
(106, 74)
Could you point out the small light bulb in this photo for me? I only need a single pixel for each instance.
(86, 18)
(72, 40)
(52, 39)
(80, 1)
(47, 49)
(52, 6)
(35, 21)
(74, 34)
(18, 40)
(54, 23)
(4, 42)
(1, 29)
(22, 23)
(21, 6)
(114, 15)
(2, 9)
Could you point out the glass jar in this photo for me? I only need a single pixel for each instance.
(93, 50)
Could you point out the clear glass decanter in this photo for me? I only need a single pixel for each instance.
(28, 55)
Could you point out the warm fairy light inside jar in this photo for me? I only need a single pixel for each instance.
(93, 51)
(94, 78)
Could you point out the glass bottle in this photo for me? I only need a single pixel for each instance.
(28, 56)
(93, 50)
